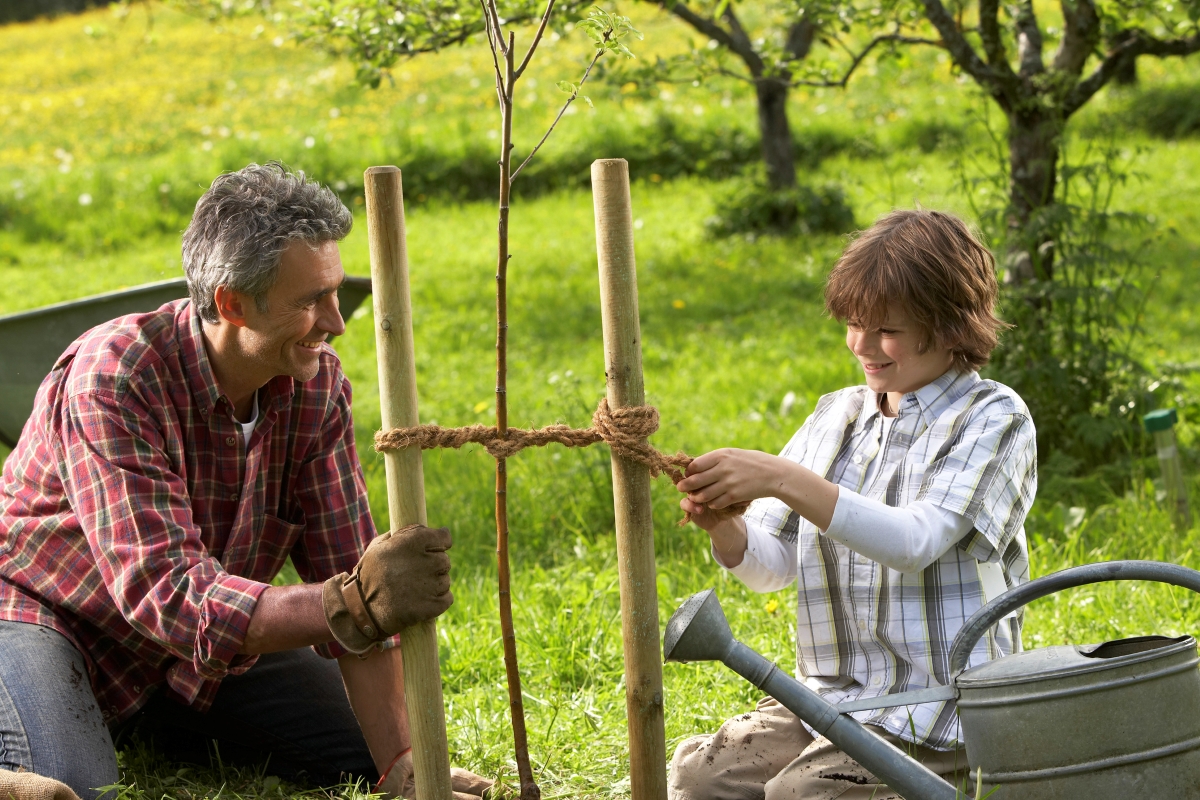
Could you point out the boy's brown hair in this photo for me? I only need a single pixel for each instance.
(931, 265)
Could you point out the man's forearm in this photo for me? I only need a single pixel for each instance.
(375, 686)
(285, 618)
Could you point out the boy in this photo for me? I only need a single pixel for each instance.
(898, 507)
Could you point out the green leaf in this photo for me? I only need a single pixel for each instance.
(566, 86)
(587, 100)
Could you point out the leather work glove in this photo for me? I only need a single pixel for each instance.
(400, 781)
(403, 578)
(28, 786)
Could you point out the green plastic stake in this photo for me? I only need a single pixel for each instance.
(1161, 425)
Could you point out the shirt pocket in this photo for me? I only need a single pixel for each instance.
(267, 552)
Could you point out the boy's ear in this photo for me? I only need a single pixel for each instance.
(231, 306)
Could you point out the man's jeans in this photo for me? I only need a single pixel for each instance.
(290, 708)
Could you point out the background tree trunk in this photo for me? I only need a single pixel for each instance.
(1033, 142)
(775, 132)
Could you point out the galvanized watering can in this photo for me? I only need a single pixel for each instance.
(1118, 720)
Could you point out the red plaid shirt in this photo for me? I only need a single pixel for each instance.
(135, 521)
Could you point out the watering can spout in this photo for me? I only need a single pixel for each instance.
(698, 631)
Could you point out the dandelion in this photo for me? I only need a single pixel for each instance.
(85, 199)
(206, 146)
(421, 98)
(638, 224)
(309, 142)
(678, 304)
(335, 112)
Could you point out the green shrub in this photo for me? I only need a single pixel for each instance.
(1168, 112)
(750, 207)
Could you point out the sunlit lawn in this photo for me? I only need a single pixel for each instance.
(730, 327)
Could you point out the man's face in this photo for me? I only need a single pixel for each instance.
(302, 312)
(891, 356)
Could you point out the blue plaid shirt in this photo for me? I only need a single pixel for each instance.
(961, 443)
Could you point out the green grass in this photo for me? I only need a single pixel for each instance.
(729, 328)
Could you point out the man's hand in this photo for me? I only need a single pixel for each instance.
(403, 578)
(727, 476)
(28, 786)
(400, 781)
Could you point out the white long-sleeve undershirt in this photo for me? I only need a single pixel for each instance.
(905, 539)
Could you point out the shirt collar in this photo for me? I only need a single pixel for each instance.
(929, 401)
(189, 327)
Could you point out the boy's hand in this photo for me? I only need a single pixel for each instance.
(727, 476)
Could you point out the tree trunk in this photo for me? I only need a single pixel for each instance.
(1033, 142)
(775, 132)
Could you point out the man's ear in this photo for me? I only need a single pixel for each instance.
(231, 306)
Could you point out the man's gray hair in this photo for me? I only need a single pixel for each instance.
(244, 222)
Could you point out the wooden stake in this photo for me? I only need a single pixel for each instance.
(405, 479)
(631, 483)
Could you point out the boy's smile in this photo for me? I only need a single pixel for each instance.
(892, 357)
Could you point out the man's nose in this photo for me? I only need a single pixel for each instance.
(330, 318)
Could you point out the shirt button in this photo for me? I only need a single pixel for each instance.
(876, 681)
(229, 440)
(857, 459)
(862, 625)
(233, 496)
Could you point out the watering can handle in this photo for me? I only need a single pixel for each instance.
(983, 619)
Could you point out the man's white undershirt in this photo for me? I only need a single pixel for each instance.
(248, 427)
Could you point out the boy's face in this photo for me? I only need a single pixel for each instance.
(891, 356)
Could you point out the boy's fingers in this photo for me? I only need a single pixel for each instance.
(695, 482)
(704, 462)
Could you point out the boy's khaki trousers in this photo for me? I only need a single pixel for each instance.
(767, 754)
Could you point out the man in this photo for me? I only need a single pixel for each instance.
(173, 461)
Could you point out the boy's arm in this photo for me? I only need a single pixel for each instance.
(906, 539)
(762, 561)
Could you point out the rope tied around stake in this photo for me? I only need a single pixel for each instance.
(625, 430)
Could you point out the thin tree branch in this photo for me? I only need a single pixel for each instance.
(492, 36)
(1029, 36)
(800, 39)
(1138, 43)
(857, 58)
(989, 32)
(494, 14)
(1081, 33)
(704, 25)
(997, 78)
(728, 73)
(561, 111)
(537, 38)
(744, 48)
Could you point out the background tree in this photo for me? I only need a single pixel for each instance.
(1040, 68)
(774, 56)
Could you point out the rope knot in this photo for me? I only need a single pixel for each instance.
(625, 430)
